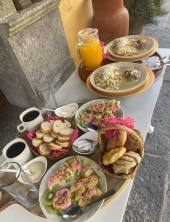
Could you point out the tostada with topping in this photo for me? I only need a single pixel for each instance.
(72, 181)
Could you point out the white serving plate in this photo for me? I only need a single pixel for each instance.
(126, 85)
(119, 114)
(93, 209)
(141, 52)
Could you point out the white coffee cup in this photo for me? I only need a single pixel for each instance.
(17, 151)
(30, 118)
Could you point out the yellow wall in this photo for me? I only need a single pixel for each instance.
(76, 15)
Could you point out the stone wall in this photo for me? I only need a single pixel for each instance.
(33, 48)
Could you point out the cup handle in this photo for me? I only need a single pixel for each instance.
(78, 50)
(21, 130)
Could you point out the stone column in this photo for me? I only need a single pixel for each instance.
(33, 48)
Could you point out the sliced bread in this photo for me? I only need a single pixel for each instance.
(48, 138)
(39, 134)
(44, 149)
(66, 132)
(63, 144)
(54, 135)
(59, 125)
(54, 146)
(64, 138)
(36, 142)
(46, 127)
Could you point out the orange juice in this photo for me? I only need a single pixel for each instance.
(91, 53)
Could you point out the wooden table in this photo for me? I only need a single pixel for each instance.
(139, 107)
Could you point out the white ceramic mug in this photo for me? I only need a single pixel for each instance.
(17, 151)
(30, 118)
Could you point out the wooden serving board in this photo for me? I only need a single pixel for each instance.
(116, 183)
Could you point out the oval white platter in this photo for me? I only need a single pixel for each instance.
(93, 209)
(127, 85)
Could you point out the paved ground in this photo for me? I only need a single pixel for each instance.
(150, 196)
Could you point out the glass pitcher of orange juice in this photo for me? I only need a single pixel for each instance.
(89, 48)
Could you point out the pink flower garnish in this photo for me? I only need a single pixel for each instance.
(127, 122)
(105, 56)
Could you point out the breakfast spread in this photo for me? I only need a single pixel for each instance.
(97, 112)
(73, 183)
(53, 135)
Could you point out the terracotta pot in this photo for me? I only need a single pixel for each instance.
(111, 18)
(136, 26)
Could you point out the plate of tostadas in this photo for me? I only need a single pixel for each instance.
(78, 169)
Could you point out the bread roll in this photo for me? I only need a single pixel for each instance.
(117, 140)
(39, 134)
(44, 149)
(48, 138)
(54, 146)
(36, 142)
(112, 155)
(45, 127)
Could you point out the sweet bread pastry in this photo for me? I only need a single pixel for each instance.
(112, 155)
(126, 162)
(132, 143)
(117, 140)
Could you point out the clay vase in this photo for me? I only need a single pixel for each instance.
(111, 19)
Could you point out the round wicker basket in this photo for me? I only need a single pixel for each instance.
(136, 139)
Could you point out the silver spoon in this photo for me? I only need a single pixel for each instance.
(74, 212)
(92, 127)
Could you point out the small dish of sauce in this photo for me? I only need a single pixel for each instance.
(67, 111)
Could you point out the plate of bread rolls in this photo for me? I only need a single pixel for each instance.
(122, 153)
(54, 138)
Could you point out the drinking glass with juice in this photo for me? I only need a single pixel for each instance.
(89, 48)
